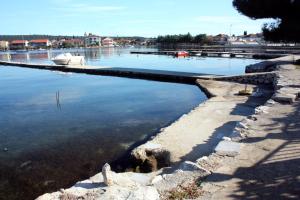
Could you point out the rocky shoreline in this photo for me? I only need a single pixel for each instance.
(182, 157)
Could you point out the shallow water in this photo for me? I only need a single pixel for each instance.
(58, 128)
(121, 57)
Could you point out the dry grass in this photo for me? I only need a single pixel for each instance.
(190, 191)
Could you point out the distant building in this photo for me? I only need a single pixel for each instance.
(252, 38)
(220, 39)
(40, 43)
(54, 43)
(4, 45)
(108, 42)
(73, 43)
(246, 40)
(92, 40)
(18, 44)
(123, 42)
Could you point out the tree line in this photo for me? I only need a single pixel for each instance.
(184, 38)
(34, 37)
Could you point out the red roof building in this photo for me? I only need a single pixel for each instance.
(40, 43)
(18, 44)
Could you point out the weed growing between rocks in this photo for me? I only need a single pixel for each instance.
(190, 191)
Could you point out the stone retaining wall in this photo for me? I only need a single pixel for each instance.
(266, 66)
(272, 64)
(254, 78)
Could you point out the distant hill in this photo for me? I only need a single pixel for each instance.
(52, 37)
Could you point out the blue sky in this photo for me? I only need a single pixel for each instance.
(123, 17)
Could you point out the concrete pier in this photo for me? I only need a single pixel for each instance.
(209, 53)
(147, 74)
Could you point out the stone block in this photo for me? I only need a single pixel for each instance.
(228, 148)
(284, 98)
(190, 166)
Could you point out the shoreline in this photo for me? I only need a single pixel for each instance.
(128, 183)
(193, 134)
(126, 179)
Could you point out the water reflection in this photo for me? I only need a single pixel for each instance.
(121, 57)
(57, 97)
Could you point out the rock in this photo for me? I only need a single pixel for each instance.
(252, 117)
(226, 138)
(190, 166)
(286, 67)
(5, 149)
(151, 157)
(228, 148)
(257, 94)
(139, 178)
(270, 102)
(141, 151)
(204, 158)
(107, 175)
(48, 182)
(284, 98)
(235, 134)
(156, 179)
(51, 196)
(25, 164)
(149, 165)
(242, 125)
(144, 193)
(136, 193)
(261, 109)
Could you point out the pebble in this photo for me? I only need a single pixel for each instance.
(226, 138)
(5, 149)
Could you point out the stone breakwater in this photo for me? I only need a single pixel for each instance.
(272, 64)
(253, 78)
(219, 126)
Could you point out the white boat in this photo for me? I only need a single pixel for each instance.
(68, 59)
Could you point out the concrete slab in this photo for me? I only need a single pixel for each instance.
(228, 148)
(284, 98)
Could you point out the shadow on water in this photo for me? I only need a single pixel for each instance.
(276, 176)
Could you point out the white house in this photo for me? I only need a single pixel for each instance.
(4, 45)
(92, 40)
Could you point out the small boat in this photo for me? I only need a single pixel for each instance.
(68, 59)
(226, 55)
(181, 54)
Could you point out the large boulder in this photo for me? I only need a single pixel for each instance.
(151, 157)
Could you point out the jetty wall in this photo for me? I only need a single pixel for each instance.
(253, 78)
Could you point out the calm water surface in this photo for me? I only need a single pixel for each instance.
(56, 129)
(121, 57)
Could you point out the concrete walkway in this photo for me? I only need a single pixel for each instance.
(196, 133)
(268, 166)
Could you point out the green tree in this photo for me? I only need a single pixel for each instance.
(286, 28)
(200, 38)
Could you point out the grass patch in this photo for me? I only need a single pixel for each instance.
(190, 191)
